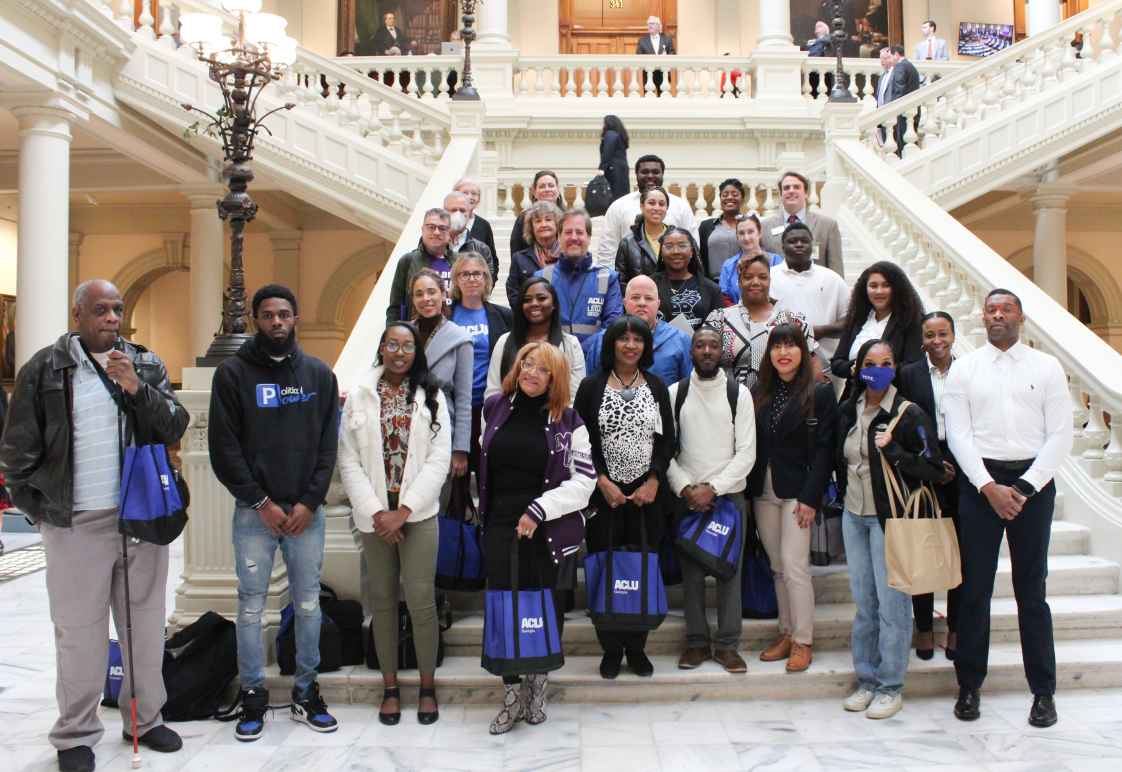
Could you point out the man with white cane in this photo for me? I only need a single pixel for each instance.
(60, 453)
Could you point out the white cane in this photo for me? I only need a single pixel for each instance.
(128, 646)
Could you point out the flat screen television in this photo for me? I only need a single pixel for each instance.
(977, 39)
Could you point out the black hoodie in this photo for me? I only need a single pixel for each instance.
(273, 427)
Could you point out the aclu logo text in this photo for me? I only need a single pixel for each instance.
(624, 586)
(531, 624)
(272, 395)
(717, 529)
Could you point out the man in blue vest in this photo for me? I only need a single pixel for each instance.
(672, 359)
(588, 295)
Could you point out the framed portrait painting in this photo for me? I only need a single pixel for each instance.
(418, 26)
(7, 337)
(870, 24)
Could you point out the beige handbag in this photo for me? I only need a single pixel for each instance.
(921, 553)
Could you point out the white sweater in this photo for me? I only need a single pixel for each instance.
(362, 465)
(705, 444)
(570, 347)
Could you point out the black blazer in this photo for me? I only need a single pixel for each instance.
(587, 404)
(905, 80)
(481, 231)
(665, 45)
(523, 265)
(384, 41)
(472, 244)
(498, 324)
(914, 382)
(613, 162)
(906, 341)
(517, 243)
(913, 454)
(799, 470)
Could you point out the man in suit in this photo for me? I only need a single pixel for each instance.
(931, 48)
(793, 189)
(904, 80)
(390, 40)
(655, 44)
(478, 227)
(821, 44)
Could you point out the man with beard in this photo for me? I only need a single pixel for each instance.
(649, 171)
(460, 239)
(73, 401)
(711, 461)
(272, 434)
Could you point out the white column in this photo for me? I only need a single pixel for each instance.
(1042, 15)
(207, 252)
(775, 24)
(43, 251)
(1049, 249)
(286, 259)
(493, 26)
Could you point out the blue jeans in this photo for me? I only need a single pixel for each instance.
(882, 630)
(254, 549)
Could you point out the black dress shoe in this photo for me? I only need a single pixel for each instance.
(427, 716)
(1043, 713)
(639, 664)
(391, 719)
(79, 759)
(925, 654)
(968, 707)
(609, 665)
(952, 654)
(162, 739)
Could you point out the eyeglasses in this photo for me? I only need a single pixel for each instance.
(474, 275)
(434, 228)
(531, 368)
(392, 347)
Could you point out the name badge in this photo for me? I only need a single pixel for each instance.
(778, 230)
(595, 304)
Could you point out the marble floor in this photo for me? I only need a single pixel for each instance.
(709, 736)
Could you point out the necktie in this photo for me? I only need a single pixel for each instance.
(792, 219)
(930, 49)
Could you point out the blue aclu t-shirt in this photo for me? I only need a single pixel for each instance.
(474, 320)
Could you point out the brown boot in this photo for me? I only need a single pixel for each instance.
(692, 657)
(800, 658)
(730, 660)
(781, 649)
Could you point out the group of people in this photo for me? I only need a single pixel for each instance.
(687, 377)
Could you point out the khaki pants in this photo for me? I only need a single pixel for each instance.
(85, 576)
(788, 549)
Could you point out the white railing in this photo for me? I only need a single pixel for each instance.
(956, 269)
(864, 77)
(428, 77)
(959, 102)
(667, 77)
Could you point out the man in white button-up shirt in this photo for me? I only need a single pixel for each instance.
(1008, 414)
(649, 171)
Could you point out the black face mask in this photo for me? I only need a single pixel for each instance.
(276, 348)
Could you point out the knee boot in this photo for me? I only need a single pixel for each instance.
(535, 707)
(512, 711)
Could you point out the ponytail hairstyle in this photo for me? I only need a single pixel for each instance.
(418, 375)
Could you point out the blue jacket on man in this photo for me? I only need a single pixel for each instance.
(672, 361)
(588, 295)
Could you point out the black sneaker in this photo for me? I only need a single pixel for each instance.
(251, 718)
(162, 739)
(312, 710)
(77, 759)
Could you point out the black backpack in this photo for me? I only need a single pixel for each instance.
(406, 649)
(200, 663)
(732, 388)
(598, 196)
(340, 634)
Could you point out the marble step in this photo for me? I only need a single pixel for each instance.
(1067, 575)
(1093, 663)
(1073, 617)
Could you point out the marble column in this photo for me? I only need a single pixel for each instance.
(1042, 15)
(1049, 250)
(43, 251)
(493, 24)
(286, 259)
(775, 24)
(207, 252)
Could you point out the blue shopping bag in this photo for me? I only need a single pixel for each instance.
(625, 588)
(152, 506)
(713, 539)
(459, 554)
(114, 676)
(520, 633)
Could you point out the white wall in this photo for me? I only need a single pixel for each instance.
(7, 257)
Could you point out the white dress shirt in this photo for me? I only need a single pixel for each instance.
(621, 216)
(655, 39)
(882, 87)
(1010, 406)
(870, 330)
(938, 386)
(818, 292)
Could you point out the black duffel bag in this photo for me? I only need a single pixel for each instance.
(200, 663)
(406, 649)
(340, 634)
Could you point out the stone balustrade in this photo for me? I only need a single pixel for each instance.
(425, 77)
(864, 77)
(1050, 62)
(635, 77)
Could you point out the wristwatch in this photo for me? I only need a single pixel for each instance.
(1024, 487)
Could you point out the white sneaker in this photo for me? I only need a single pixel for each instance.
(885, 705)
(859, 700)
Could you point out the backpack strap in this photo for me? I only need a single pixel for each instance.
(680, 399)
(732, 390)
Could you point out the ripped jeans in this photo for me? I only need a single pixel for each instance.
(254, 549)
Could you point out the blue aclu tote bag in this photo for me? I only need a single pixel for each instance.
(114, 676)
(152, 507)
(520, 634)
(459, 554)
(713, 539)
(625, 588)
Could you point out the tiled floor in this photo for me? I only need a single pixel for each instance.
(707, 736)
